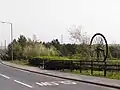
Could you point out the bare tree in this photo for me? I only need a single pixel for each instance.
(82, 39)
(78, 36)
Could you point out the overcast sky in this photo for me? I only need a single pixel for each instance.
(48, 19)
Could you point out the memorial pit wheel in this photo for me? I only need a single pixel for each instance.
(98, 48)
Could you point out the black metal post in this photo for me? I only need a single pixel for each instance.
(71, 66)
(91, 67)
(105, 68)
(80, 67)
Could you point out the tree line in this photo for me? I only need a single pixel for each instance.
(24, 48)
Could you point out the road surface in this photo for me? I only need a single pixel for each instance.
(14, 79)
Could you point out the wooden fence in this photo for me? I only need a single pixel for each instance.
(81, 65)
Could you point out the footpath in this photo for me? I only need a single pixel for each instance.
(82, 78)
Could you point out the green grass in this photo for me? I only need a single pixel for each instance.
(114, 61)
(20, 62)
(86, 72)
(111, 75)
(55, 58)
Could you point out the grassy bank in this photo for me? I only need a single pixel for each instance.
(20, 62)
(111, 75)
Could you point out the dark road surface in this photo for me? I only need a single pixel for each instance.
(14, 79)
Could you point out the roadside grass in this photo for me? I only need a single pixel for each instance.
(111, 75)
(85, 72)
(55, 58)
(20, 62)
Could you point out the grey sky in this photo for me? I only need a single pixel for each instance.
(48, 19)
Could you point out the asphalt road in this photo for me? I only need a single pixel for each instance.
(14, 79)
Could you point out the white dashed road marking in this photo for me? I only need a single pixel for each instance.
(39, 84)
(55, 83)
(4, 76)
(23, 84)
(43, 84)
(67, 82)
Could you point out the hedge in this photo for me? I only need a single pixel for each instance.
(57, 64)
(54, 63)
(36, 61)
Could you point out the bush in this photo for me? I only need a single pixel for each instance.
(39, 50)
(5, 57)
(61, 64)
(38, 60)
(35, 61)
(54, 63)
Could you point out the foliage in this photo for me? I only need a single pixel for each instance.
(83, 51)
(37, 61)
(23, 48)
(17, 51)
(53, 58)
(68, 49)
(39, 50)
(56, 44)
(22, 41)
(115, 50)
(113, 61)
(3, 54)
(18, 46)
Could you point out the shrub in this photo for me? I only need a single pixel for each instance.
(52, 62)
(37, 50)
(35, 61)
(38, 60)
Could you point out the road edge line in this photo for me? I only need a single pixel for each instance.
(4, 76)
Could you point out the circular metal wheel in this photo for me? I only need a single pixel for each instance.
(98, 48)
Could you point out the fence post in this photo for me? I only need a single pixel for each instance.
(80, 67)
(105, 68)
(71, 66)
(43, 64)
(91, 67)
(63, 65)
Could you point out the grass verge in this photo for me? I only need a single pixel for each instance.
(111, 75)
(20, 62)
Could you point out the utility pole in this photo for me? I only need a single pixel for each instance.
(11, 40)
(5, 44)
(1, 45)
